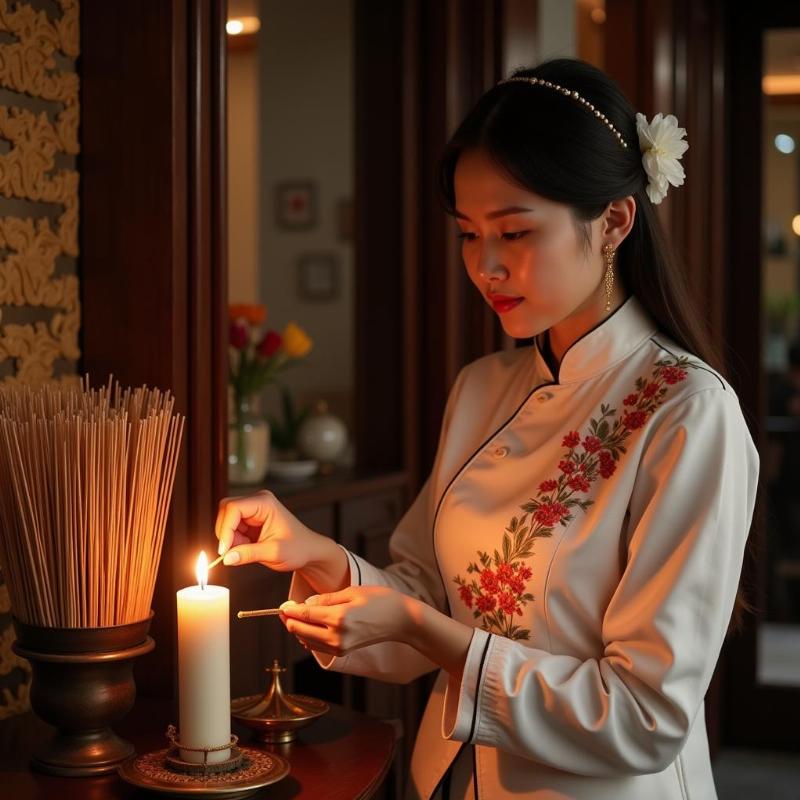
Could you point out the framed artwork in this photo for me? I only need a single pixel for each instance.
(296, 205)
(318, 276)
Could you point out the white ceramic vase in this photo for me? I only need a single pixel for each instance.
(322, 436)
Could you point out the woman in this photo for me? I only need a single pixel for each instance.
(571, 563)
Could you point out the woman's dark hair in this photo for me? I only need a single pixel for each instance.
(555, 147)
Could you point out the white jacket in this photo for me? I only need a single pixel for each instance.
(591, 528)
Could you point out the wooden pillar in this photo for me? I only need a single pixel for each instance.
(152, 263)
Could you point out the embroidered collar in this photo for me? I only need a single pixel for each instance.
(610, 341)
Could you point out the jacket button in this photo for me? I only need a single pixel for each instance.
(501, 452)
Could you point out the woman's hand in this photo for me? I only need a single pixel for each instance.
(340, 622)
(357, 616)
(260, 529)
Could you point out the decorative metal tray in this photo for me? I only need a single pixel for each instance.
(259, 769)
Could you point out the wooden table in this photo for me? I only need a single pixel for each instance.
(341, 756)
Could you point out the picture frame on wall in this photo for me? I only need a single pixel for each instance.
(318, 276)
(296, 205)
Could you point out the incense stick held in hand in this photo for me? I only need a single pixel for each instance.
(215, 562)
(259, 612)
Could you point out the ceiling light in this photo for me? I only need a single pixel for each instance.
(784, 143)
(241, 25)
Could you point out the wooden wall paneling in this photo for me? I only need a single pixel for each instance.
(208, 255)
(151, 239)
(438, 314)
(698, 102)
(516, 25)
(697, 217)
(418, 66)
(133, 259)
(379, 291)
(670, 57)
(519, 22)
(413, 248)
(702, 62)
(744, 69)
(458, 46)
(625, 61)
(484, 333)
(756, 715)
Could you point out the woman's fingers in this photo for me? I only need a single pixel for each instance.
(331, 598)
(320, 648)
(252, 511)
(312, 637)
(316, 636)
(240, 538)
(311, 614)
(238, 555)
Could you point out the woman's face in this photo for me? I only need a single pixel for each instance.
(533, 252)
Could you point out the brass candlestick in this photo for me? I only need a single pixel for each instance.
(275, 716)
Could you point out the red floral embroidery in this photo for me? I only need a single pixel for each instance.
(496, 583)
(591, 444)
(571, 439)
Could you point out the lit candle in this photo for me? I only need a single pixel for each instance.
(204, 682)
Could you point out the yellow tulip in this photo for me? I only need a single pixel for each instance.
(296, 342)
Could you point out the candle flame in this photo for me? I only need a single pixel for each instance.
(202, 569)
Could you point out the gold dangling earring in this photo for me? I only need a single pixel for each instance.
(608, 252)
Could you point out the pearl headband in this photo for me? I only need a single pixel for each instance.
(575, 96)
(660, 141)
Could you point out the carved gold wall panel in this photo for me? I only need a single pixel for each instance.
(39, 290)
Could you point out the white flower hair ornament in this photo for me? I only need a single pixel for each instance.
(660, 141)
(662, 145)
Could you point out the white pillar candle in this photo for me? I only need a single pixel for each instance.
(204, 683)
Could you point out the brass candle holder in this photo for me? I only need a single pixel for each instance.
(244, 773)
(276, 716)
(173, 759)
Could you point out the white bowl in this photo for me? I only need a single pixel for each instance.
(293, 470)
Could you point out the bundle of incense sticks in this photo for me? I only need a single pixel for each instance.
(86, 479)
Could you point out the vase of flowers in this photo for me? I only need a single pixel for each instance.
(256, 360)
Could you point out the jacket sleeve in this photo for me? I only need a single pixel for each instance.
(413, 571)
(630, 711)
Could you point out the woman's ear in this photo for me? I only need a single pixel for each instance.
(618, 220)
